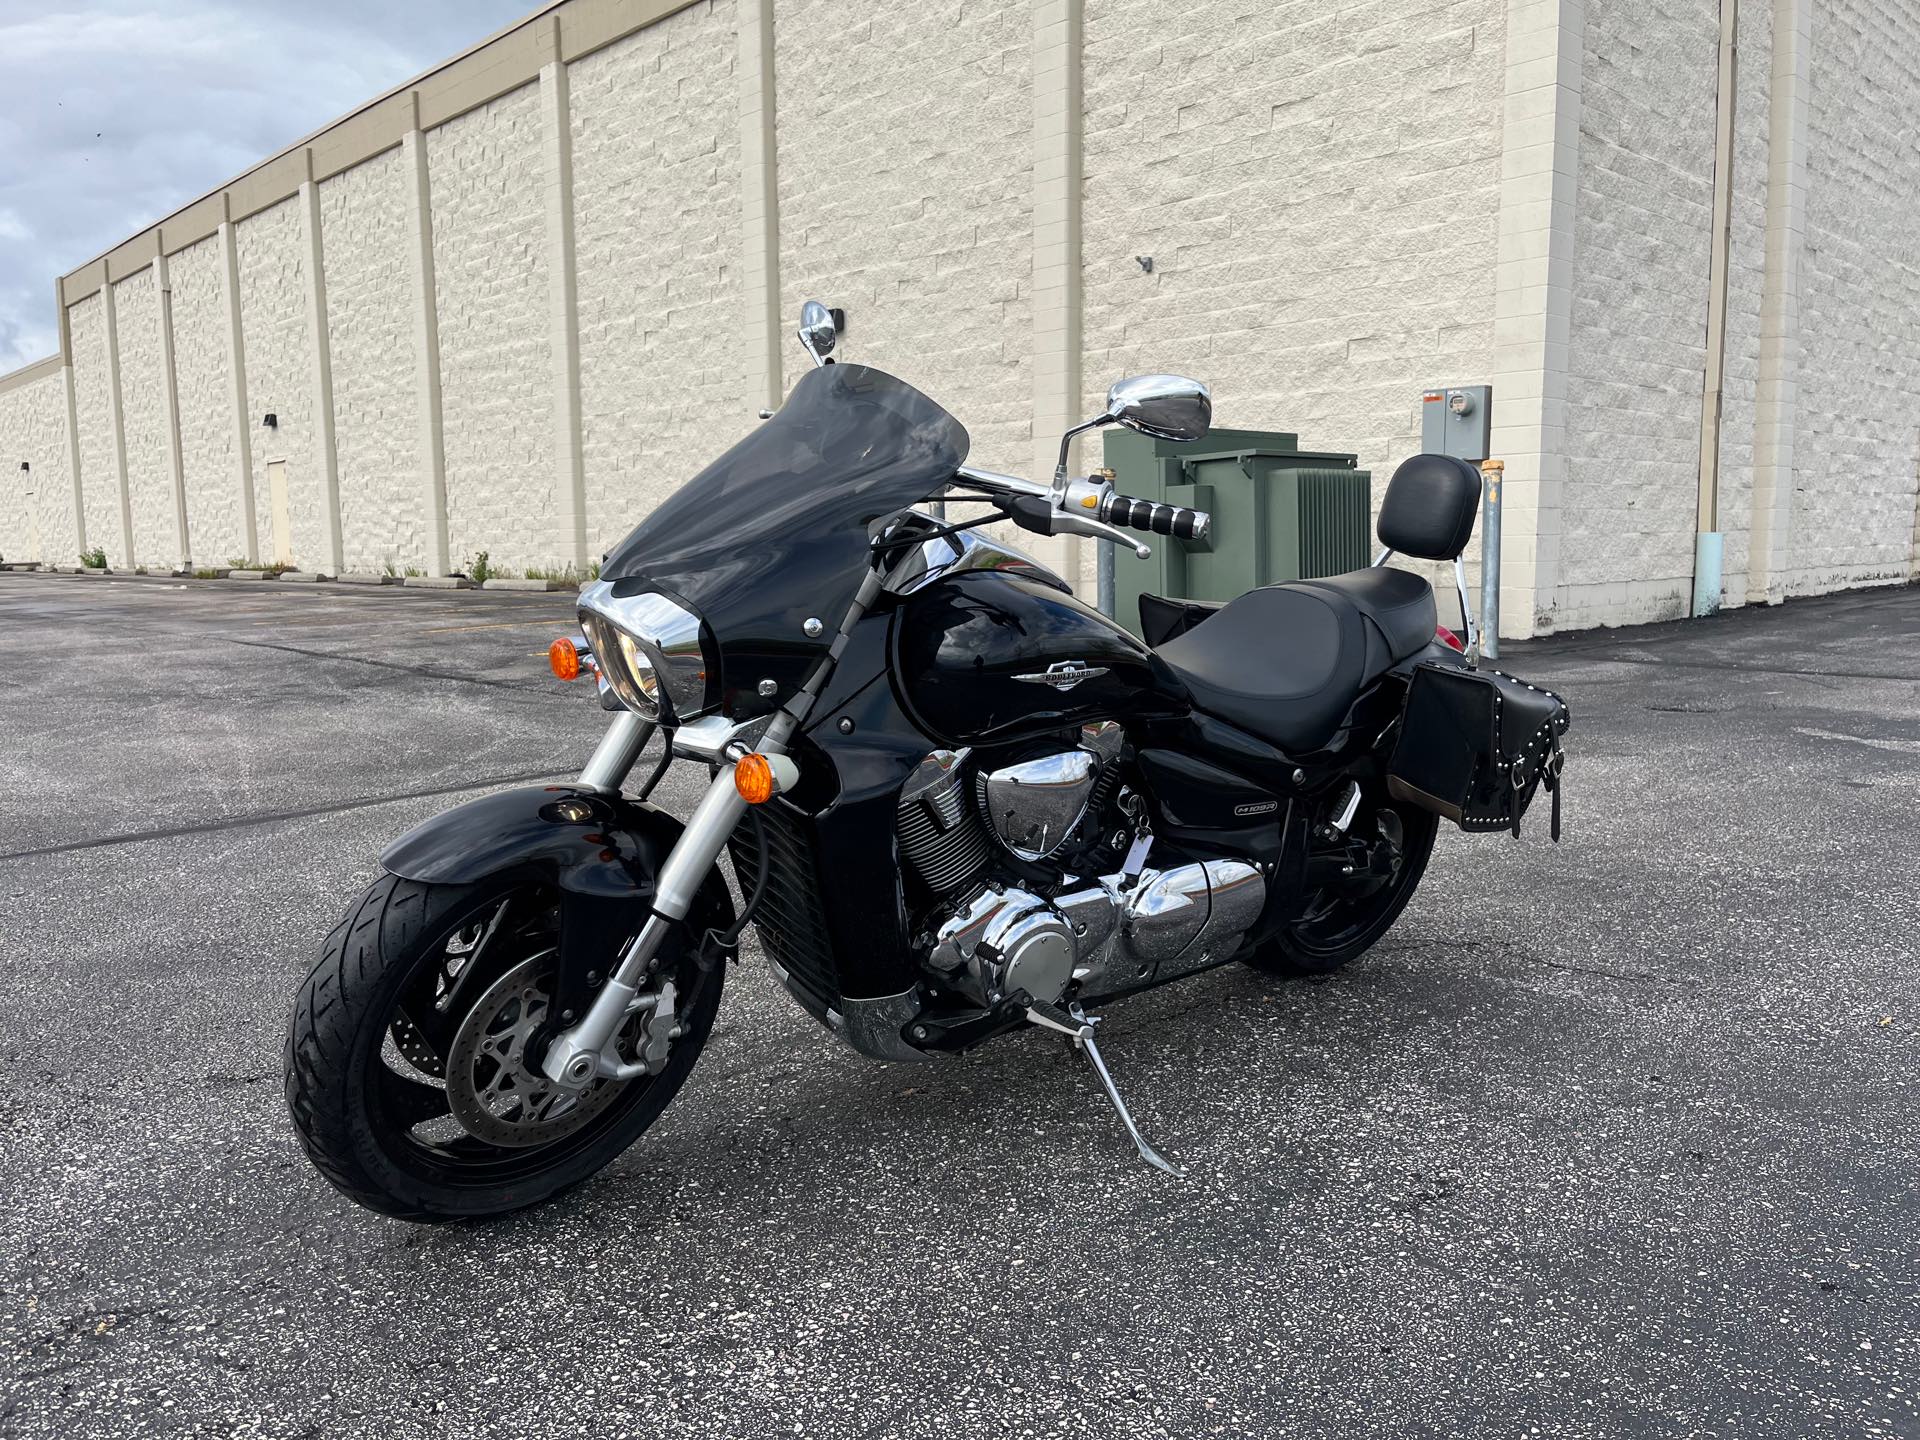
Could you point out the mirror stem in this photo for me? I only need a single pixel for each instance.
(1060, 469)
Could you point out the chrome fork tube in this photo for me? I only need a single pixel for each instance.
(613, 757)
(574, 1057)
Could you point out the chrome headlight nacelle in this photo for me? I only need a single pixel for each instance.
(651, 651)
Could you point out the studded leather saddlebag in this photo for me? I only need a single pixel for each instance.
(1475, 745)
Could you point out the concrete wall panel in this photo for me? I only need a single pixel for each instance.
(36, 506)
(1857, 444)
(137, 314)
(207, 439)
(490, 261)
(656, 184)
(273, 312)
(370, 302)
(905, 191)
(1637, 354)
(1318, 192)
(99, 475)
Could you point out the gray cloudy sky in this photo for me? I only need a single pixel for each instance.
(114, 113)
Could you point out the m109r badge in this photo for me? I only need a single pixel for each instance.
(1064, 674)
(1257, 807)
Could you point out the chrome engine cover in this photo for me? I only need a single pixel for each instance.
(1033, 806)
(1105, 936)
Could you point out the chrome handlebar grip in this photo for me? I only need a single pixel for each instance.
(1178, 521)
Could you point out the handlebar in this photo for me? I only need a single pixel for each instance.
(1089, 507)
(1157, 518)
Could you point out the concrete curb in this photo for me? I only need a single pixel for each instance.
(221, 572)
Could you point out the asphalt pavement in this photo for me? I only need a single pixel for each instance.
(1618, 1137)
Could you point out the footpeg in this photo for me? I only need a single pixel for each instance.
(1078, 1026)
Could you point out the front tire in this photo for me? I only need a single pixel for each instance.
(395, 994)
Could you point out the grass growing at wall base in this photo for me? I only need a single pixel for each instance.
(563, 574)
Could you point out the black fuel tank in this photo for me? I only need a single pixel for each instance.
(970, 651)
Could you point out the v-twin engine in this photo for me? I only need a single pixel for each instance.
(1096, 937)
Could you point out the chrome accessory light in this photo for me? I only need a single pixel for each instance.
(650, 650)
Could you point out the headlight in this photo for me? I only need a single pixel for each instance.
(651, 652)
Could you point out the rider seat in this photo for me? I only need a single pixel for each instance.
(1286, 662)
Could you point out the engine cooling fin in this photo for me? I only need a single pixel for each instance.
(940, 835)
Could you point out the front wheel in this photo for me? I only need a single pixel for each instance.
(404, 1071)
(1360, 886)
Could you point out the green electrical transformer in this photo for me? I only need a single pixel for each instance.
(1279, 513)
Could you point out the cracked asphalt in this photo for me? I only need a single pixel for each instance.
(1618, 1137)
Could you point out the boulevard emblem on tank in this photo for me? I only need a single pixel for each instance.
(1064, 674)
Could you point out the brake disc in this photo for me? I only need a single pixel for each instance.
(414, 1047)
(493, 1095)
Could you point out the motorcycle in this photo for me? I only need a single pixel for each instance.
(958, 801)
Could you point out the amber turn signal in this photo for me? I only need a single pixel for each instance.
(564, 656)
(753, 778)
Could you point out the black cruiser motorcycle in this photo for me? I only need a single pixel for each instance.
(958, 801)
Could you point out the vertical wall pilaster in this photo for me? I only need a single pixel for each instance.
(759, 207)
(426, 345)
(1056, 243)
(116, 417)
(237, 377)
(73, 423)
(170, 399)
(1777, 392)
(1533, 296)
(326, 456)
(562, 300)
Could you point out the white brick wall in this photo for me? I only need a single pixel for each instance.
(1319, 187)
(137, 315)
(906, 197)
(1319, 193)
(490, 262)
(207, 439)
(656, 184)
(364, 229)
(1857, 446)
(1637, 357)
(273, 316)
(36, 508)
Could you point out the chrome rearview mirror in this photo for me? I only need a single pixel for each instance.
(1167, 407)
(817, 331)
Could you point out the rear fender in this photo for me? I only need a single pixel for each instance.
(600, 852)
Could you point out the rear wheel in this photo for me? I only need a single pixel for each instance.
(408, 1072)
(1360, 886)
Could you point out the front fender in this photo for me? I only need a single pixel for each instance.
(600, 852)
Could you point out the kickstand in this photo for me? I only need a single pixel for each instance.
(1077, 1026)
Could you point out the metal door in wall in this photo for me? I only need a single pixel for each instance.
(282, 516)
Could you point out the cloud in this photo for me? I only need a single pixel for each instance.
(113, 113)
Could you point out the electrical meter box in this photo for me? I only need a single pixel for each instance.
(1456, 420)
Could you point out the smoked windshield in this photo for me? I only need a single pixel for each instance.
(775, 530)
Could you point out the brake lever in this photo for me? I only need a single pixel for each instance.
(1099, 530)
